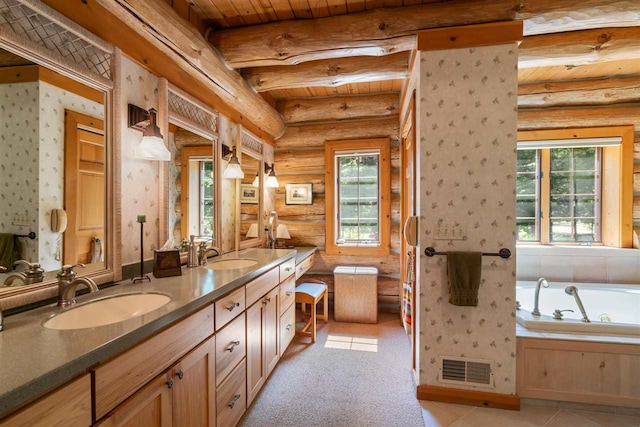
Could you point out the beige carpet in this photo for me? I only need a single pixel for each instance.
(354, 375)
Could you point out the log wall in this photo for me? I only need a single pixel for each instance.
(299, 158)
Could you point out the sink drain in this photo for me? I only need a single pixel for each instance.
(604, 317)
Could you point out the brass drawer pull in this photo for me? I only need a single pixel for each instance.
(232, 346)
(180, 374)
(169, 383)
(233, 401)
(232, 306)
(266, 301)
(289, 327)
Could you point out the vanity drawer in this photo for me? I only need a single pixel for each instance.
(305, 265)
(257, 288)
(231, 346)
(120, 377)
(231, 397)
(229, 307)
(287, 328)
(287, 268)
(287, 293)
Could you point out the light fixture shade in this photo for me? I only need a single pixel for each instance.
(253, 230)
(256, 181)
(282, 232)
(152, 148)
(272, 180)
(233, 169)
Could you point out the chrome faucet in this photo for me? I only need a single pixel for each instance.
(203, 252)
(542, 281)
(34, 274)
(572, 290)
(272, 229)
(68, 284)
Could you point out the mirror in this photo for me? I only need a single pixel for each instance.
(53, 142)
(250, 202)
(192, 187)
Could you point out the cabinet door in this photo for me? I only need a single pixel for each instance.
(151, 406)
(271, 347)
(255, 372)
(262, 341)
(194, 385)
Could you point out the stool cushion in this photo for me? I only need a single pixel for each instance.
(313, 289)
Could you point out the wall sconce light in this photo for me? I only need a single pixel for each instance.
(253, 230)
(256, 181)
(151, 146)
(233, 169)
(272, 180)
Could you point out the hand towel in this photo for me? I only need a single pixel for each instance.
(464, 270)
(9, 250)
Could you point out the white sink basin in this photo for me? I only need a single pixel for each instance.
(106, 311)
(231, 264)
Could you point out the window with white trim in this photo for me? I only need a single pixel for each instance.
(358, 197)
(574, 186)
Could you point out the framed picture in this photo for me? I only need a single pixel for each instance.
(298, 194)
(248, 193)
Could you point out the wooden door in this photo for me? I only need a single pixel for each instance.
(151, 406)
(194, 386)
(84, 185)
(271, 349)
(255, 366)
(408, 204)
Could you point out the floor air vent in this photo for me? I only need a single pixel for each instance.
(458, 370)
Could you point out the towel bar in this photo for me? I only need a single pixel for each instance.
(503, 253)
(31, 235)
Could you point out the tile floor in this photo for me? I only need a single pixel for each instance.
(438, 414)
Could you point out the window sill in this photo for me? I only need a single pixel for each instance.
(575, 250)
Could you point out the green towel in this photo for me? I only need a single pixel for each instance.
(464, 270)
(9, 250)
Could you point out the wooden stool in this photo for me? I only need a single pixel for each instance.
(310, 292)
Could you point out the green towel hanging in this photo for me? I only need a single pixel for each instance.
(464, 270)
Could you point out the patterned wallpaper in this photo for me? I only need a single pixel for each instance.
(33, 146)
(174, 191)
(467, 136)
(19, 162)
(140, 178)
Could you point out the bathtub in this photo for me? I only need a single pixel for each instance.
(612, 309)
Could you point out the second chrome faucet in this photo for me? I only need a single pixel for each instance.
(68, 284)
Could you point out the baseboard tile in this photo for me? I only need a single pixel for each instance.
(468, 397)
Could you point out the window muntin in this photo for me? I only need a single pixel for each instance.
(358, 197)
(566, 208)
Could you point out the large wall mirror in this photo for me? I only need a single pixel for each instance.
(193, 176)
(250, 199)
(56, 198)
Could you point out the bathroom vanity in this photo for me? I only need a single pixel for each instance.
(205, 354)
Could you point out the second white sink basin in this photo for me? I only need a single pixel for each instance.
(106, 311)
(231, 264)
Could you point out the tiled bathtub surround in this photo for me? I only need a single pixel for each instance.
(594, 264)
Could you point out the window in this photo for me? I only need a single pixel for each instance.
(358, 199)
(558, 195)
(206, 197)
(574, 186)
(197, 191)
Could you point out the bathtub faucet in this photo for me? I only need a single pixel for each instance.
(572, 290)
(541, 282)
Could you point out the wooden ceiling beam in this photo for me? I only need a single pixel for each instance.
(337, 108)
(551, 118)
(329, 72)
(386, 31)
(154, 35)
(580, 47)
(594, 92)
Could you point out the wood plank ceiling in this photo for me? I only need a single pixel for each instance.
(598, 40)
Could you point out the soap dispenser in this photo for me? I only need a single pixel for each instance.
(192, 255)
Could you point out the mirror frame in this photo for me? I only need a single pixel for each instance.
(111, 86)
(181, 109)
(248, 150)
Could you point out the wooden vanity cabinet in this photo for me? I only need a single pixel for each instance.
(182, 395)
(67, 406)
